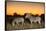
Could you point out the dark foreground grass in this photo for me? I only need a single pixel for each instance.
(24, 26)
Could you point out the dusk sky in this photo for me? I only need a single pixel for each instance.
(24, 7)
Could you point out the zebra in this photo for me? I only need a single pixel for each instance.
(38, 19)
(18, 20)
(33, 19)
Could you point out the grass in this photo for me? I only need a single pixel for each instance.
(24, 26)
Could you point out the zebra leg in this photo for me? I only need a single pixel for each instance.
(17, 23)
(22, 25)
(13, 23)
(39, 22)
(31, 22)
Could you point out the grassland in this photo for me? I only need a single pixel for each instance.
(24, 26)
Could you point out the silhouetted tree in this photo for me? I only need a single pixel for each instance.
(43, 16)
(36, 15)
(25, 14)
(15, 14)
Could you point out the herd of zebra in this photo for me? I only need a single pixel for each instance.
(28, 16)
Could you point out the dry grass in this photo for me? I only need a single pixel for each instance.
(24, 26)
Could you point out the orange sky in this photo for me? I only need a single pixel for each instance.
(23, 7)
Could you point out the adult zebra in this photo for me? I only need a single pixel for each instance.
(33, 19)
(18, 20)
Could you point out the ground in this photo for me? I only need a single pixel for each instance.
(24, 26)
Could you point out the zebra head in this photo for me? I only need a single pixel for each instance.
(28, 15)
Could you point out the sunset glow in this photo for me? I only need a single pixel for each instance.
(21, 8)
